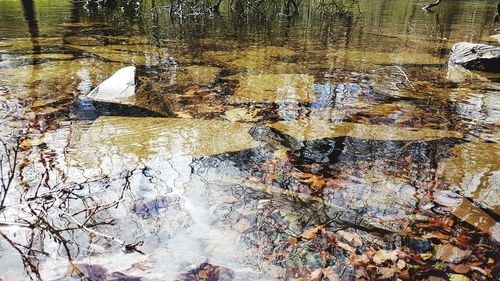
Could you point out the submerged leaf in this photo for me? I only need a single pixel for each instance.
(458, 277)
(312, 232)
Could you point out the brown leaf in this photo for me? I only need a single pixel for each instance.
(312, 232)
(451, 254)
(382, 255)
(360, 272)
(317, 274)
(360, 260)
(330, 275)
(386, 272)
(443, 223)
(292, 240)
(460, 268)
(437, 235)
(346, 247)
(351, 238)
(300, 175)
(314, 181)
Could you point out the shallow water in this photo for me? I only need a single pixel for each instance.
(259, 146)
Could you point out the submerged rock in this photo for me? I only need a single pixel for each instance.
(119, 88)
(274, 88)
(496, 37)
(129, 141)
(457, 73)
(476, 56)
(468, 212)
(474, 169)
(311, 129)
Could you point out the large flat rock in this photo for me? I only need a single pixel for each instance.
(274, 88)
(476, 56)
(311, 129)
(475, 170)
(114, 144)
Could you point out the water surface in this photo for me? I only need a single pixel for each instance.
(260, 147)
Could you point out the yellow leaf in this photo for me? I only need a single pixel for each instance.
(281, 153)
(458, 277)
(426, 256)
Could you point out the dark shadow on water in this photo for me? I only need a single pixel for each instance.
(30, 18)
(91, 110)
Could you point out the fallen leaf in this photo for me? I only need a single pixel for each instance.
(316, 182)
(281, 153)
(360, 260)
(437, 235)
(458, 277)
(382, 255)
(316, 274)
(312, 232)
(426, 256)
(292, 240)
(346, 247)
(478, 269)
(401, 264)
(360, 272)
(386, 272)
(332, 276)
(460, 268)
(352, 238)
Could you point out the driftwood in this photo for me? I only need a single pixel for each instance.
(476, 57)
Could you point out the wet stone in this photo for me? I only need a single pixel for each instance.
(476, 56)
(474, 169)
(119, 88)
(274, 88)
(311, 129)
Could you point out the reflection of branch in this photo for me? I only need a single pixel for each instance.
(37, 201)
(429, 7)
(8, 168)
(127, 247)
(29, 264)
(407, 80)
(82, 226)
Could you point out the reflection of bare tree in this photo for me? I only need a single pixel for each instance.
(29, 16)
(41, 209)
